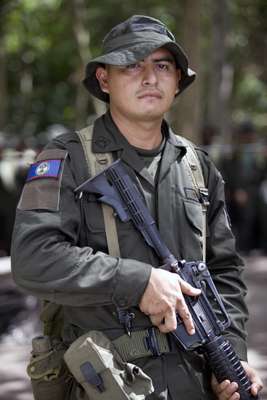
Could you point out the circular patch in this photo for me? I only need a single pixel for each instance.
(42, 168)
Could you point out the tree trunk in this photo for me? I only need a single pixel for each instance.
(221, 72)
(185, 114)
(82, 36)
(3, 84)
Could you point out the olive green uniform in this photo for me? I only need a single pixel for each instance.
(59, 250)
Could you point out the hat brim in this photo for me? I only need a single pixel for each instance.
(132, 54)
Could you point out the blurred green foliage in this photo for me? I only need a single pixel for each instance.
(43, 67)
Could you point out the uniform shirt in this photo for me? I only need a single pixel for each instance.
(59, 248)
(152, 160)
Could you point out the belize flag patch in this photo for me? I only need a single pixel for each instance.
(44, 169)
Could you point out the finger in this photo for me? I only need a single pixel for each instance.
(157, 319)
(230, 391)
(186, 288)
(256, 388)
(218, 387)
(225, 390)
(235, 396)
(184, 314)
(169, 323)
(255, 379)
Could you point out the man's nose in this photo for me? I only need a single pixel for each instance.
(149, 75)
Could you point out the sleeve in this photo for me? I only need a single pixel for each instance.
(46, 258)
(225, 265)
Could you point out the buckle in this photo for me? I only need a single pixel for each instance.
(204, 196)
(151, 342)
(126, 319)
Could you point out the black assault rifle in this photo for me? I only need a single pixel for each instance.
(116, 188)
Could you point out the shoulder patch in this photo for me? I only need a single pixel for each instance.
(44, 169)
(43, 182)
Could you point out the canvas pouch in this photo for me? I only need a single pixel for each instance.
(98, 367)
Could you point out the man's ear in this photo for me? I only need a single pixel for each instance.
(102, 77)
(179, 76)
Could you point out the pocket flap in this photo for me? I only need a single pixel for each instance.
(193, 212)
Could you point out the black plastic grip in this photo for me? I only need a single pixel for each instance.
(225, 364)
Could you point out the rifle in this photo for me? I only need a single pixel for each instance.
(116, 188)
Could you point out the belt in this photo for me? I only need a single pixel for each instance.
(143, 343)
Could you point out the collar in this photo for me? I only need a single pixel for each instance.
(107, 138)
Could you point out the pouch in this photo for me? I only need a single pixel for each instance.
(50, 378)
(97, 366)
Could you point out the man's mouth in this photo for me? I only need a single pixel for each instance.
(150, 94)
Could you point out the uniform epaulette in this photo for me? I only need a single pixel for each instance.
(66, 137)
(200, 149)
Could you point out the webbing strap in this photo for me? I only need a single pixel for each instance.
(96, 163)
(132, 347)
(196, 175)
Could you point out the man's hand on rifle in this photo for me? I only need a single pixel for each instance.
(163, 298)
(227, 390)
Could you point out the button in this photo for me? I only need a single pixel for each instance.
(102, 142)
(193, 167)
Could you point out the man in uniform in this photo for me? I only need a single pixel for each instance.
(60, 251)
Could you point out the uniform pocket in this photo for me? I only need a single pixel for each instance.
(193, 212)
(93, 213)
(94, 216)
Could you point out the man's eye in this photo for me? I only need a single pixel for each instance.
(132, 66)
(163, 67)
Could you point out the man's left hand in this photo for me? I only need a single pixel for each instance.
(227, 390)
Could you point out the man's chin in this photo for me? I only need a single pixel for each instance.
(148, 113)
(149, 116)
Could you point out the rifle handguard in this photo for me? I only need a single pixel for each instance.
(225, 364)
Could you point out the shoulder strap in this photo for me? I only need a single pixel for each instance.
(96, 162)
(195, 171)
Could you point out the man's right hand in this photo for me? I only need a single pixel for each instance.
(163, 298)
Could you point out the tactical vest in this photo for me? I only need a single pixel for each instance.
(190, 174)
(96, 162)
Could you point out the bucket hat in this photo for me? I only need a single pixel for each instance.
(132, 41)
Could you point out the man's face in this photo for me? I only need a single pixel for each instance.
(143, 91)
